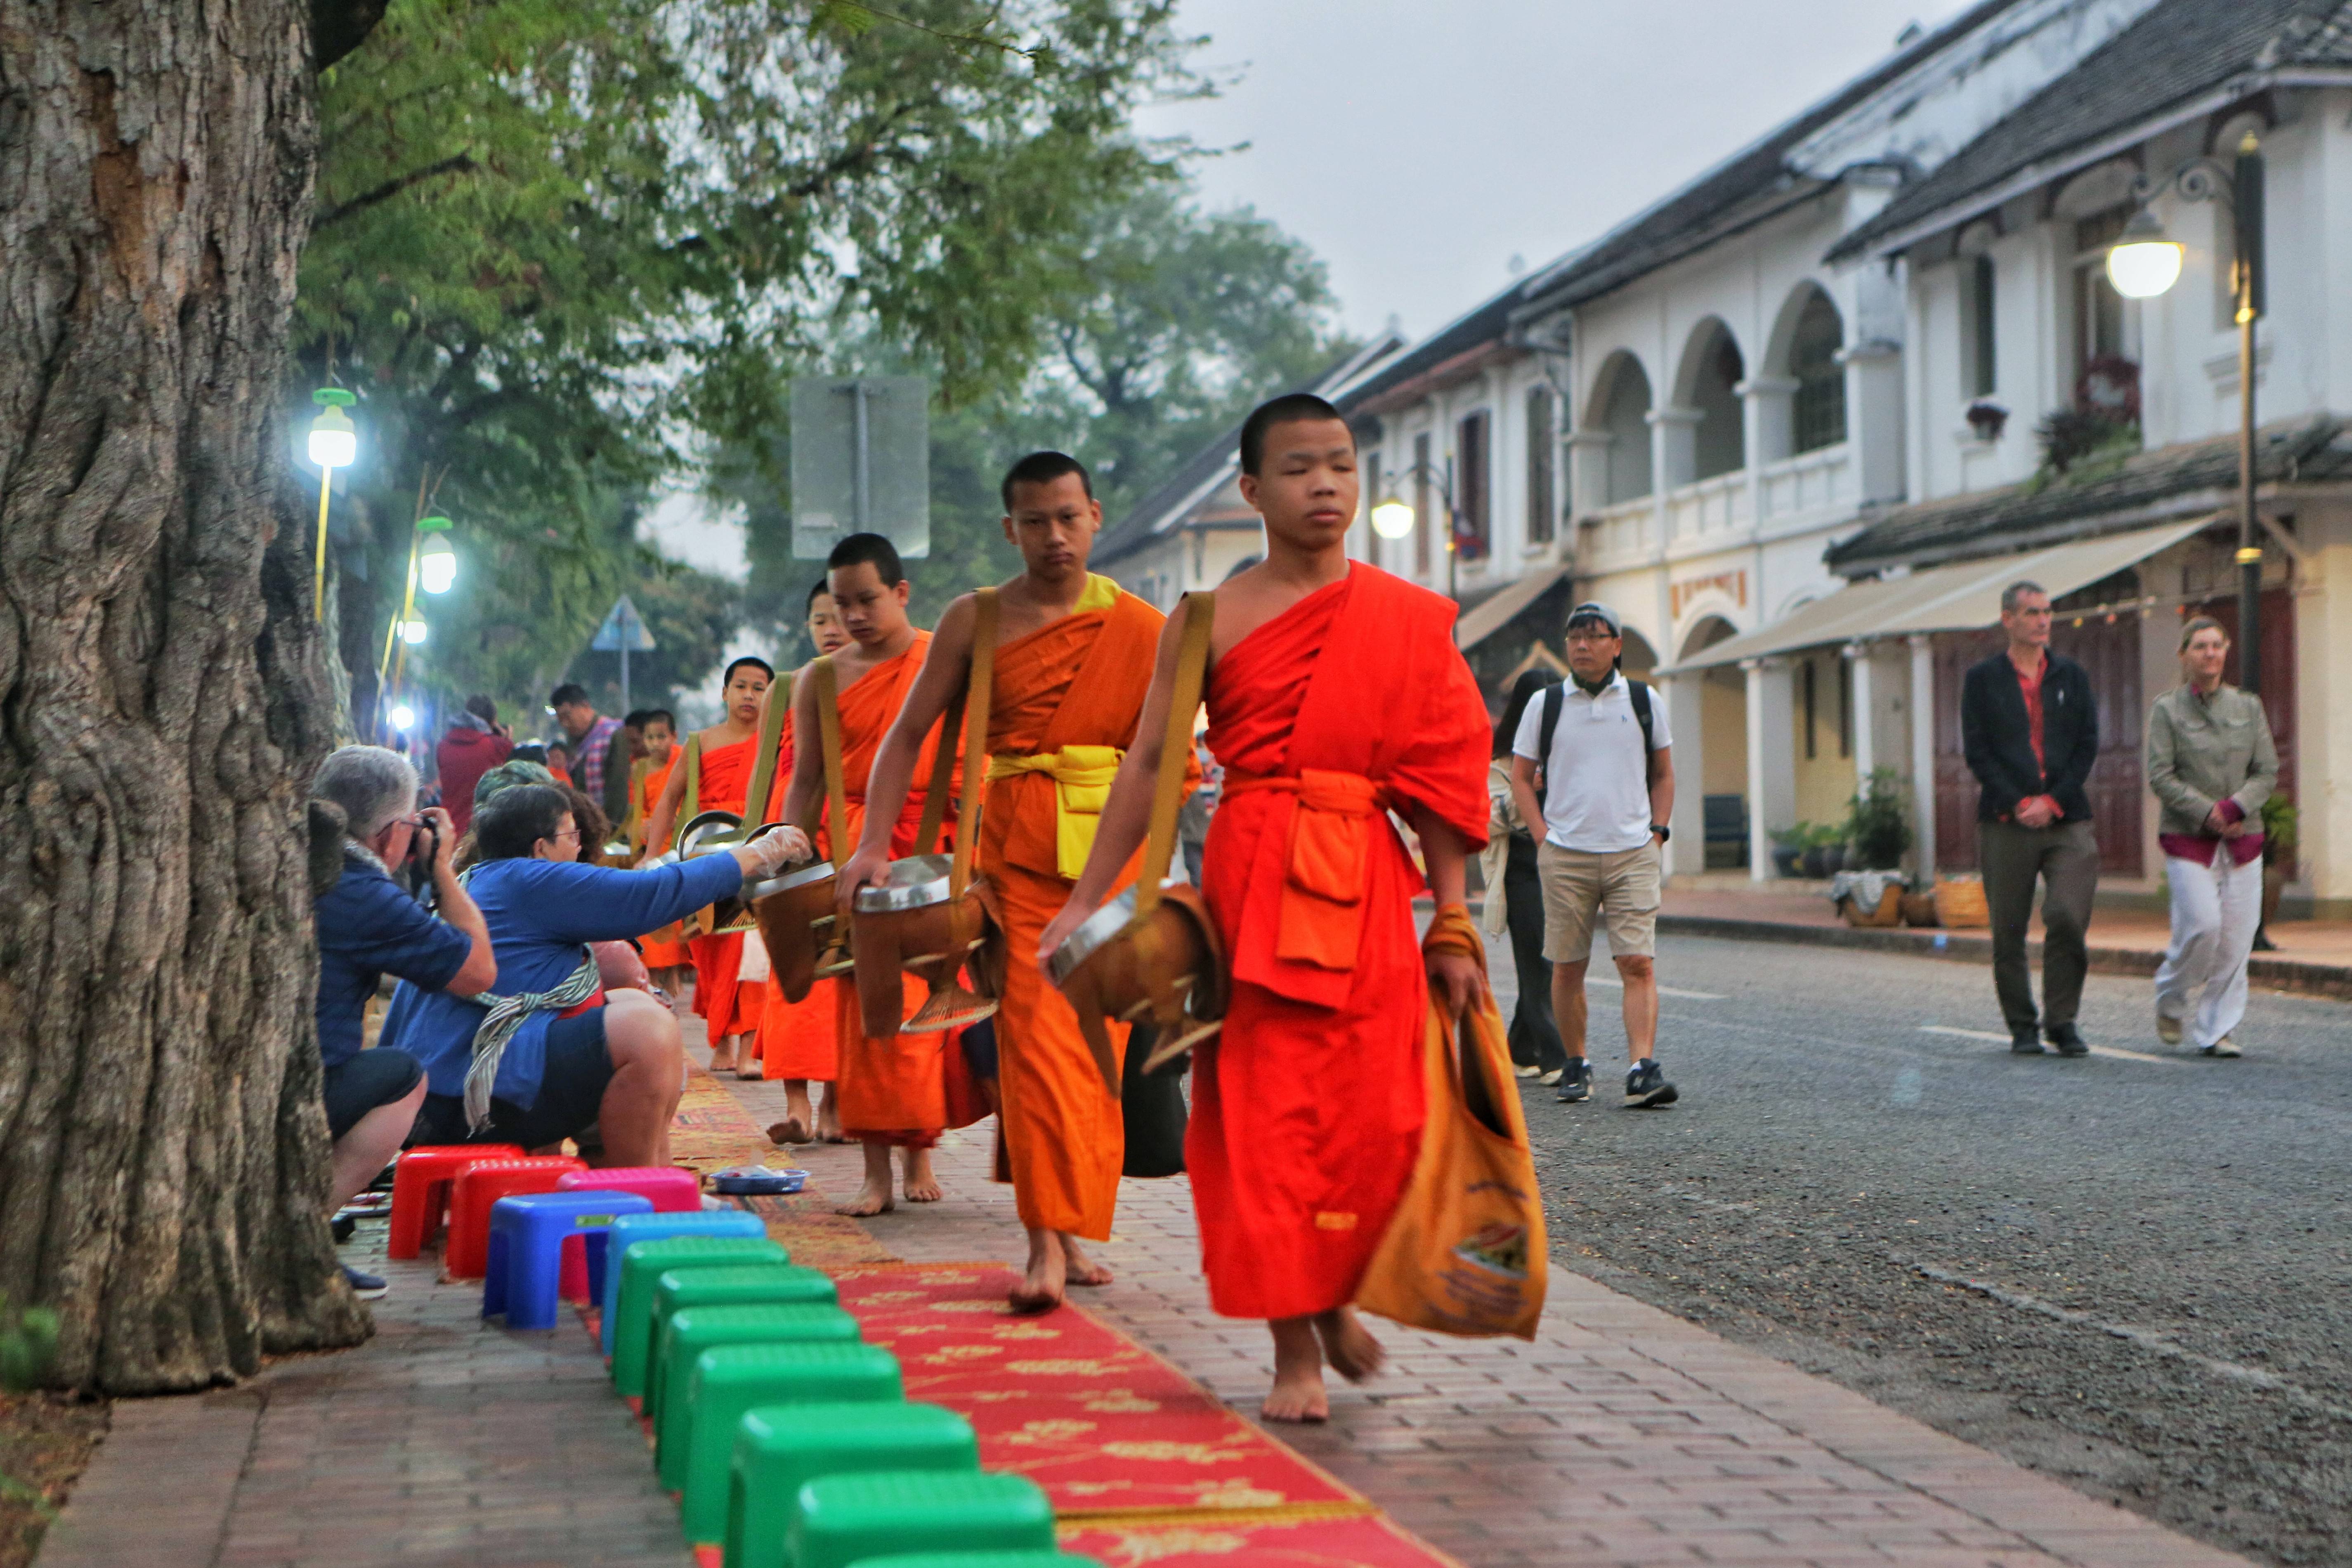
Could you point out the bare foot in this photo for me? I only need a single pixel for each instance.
(1297, 1394)
(922, 1184)
(828, 1120)
(751, 1071)
(722, 1057)
(1347, 1345)
(791, 1129)
(1082, 1270)
(873, 1197)
(1040, 1289)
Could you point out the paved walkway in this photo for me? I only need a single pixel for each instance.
(1622, 1435)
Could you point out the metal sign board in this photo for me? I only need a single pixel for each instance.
(861, 462)
(623, 630)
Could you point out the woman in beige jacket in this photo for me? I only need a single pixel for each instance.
(2212, 764)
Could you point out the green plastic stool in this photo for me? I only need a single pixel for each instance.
(838, 1520)
(690, 1330)
(742, 1285)
(643, 1264)
(729, 1379)
(779, 1448)
(982, 1560)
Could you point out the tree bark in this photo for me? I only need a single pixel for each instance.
(162, 1150)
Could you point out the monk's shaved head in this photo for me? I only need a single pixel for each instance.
(1291, 408)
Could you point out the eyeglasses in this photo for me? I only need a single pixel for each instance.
(1602, 636)
(572, 833)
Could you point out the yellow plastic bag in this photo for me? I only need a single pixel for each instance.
(1465, 1253)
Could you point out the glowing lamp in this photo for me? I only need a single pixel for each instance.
(334, 439)
(436, 563)
(403, 716)
(411, 632)
(2142, 263)
(1393, 519)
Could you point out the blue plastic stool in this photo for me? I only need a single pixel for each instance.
(636, 1227)
(526, 1255)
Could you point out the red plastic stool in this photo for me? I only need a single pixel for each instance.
(669, 1189)
(420, 1189)
(468, 1256)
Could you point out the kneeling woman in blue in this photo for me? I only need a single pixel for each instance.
(551, 1054)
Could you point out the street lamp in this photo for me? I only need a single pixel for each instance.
(334, 442)
(1393, 518)
(436, 563)
(413, 632)
(404, 717)
(432, 566)
(2143, 263)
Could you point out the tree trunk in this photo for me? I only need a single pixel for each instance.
(163, 1150)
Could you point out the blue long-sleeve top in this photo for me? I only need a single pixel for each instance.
(541, 915)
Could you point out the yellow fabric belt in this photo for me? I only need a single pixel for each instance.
(1082, 776)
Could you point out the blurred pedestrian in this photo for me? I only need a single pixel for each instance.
(1515, 900)
(2212, 762)
(599, 752)
(475, 743)
(2029, 728)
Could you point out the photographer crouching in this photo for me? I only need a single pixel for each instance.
(369, 926)
(555, 1053)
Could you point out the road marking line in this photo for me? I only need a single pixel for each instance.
(2116, 1051)
(1662, 989)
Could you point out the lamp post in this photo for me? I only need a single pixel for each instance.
(1394, 518)
(2143, 264)
(334, 442)
(432, 566)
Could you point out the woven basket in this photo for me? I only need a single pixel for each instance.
(1960, 903)
(1888, 913)
(1919, 909)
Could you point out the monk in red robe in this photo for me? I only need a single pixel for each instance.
(665, 951)
(731, 1009)
(902, 1090)
(797, 1042)
(1335, 696)
(1073, 663)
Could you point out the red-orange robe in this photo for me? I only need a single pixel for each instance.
(903, 1088)
(1080, 681)
(729, 1007)
(796, 1039)
(1306, 1109)
(660, 954)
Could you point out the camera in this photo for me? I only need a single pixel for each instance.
(424, 844)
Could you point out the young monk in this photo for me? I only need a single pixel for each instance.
(895, 1091)
(731, 1009)
(665, 951)
(796, 1040)
(1073, 663)
(1335, 694)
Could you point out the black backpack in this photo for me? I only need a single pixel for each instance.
(1553, 698)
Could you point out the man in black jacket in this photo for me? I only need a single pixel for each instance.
(2030, 727)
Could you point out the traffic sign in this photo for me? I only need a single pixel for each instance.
(623, 630)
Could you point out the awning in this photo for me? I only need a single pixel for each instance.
(1493, 615)
(1963, 597)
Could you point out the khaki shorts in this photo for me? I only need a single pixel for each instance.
(1579, 886)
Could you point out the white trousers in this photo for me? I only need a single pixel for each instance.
(2215, 910)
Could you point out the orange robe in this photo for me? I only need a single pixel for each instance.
(660, 954)
(1080, 681)
(727, 1006)
(796, 1039)
(906, 1088)
(1306, 1109)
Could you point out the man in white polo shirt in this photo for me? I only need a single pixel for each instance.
(1593, 762)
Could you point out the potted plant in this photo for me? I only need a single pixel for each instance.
(1824, 850)
(1986, 418)
(2279, 821)
(1877, 827)
(1789, 847)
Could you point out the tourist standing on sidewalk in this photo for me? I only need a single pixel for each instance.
(2030, 727)
(2212, 764)
(1592, 762)
(1515, 900)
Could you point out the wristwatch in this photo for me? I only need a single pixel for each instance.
(1662, 830)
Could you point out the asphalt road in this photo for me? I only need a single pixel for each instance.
(2131, 1271)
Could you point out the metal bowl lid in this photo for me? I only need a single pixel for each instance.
(815, 871)
(709, 833)
(1093, 932)
(914, 883)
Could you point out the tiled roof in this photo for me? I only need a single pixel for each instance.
(2168, 481)
(2180, 51)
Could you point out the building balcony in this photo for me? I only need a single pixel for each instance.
(1817, 481)
(1619, 535)
(1713, 509)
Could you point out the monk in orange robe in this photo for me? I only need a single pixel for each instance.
(731, 1009)
(1334, 695)
(904, 1089)
(796, 1041)
(665, 951)
(1072, 664)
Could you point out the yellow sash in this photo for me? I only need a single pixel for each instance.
(1082, 776)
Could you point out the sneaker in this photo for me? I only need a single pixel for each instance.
(1525, 1069)
(2168, 1029)
(366, 1287)
(2068, 1039)
(1646, 1085)
(1576, 1082)
(2025, 1042)
(2224, 1047)
(1551, 1078)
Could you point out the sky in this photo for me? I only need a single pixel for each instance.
(1419, 145)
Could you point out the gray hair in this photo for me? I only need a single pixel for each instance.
(2018, 590)
(373, 785)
